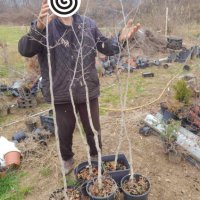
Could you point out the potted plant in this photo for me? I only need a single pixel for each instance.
(108, 190)
(136, 187)
(73, 193)
(169, 137)
(84, 173)
(116, 171)
(47, 122)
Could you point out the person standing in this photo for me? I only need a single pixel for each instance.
(65, 35)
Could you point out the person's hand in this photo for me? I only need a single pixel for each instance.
(129, 31)
(41, 22)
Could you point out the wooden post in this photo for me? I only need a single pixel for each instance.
(166, 24)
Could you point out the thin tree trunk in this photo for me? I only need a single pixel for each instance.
(54, 110)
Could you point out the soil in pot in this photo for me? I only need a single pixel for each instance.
(73, 193)
(84, 174)
(108, 191)
(110, 165)
(123, 167)
(136, 187)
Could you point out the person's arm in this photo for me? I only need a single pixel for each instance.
(106, 46)
(33, 42)
(112, 46)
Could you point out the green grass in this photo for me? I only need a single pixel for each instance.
(72, 182)
(46, 171)
(2, 120)
(139, 86)
(102, 112)
(3, 71)
(10, 188)
(141, 89)
(11, 35)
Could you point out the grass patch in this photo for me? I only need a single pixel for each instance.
(46, 171)
(102, 112)
(2, 120)
(11, 36)
(10, 188)
(72, 182)
(3, 72)
(141, 89)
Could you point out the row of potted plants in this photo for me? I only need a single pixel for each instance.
(114, 179)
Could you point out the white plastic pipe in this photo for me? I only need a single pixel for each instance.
(186, 139)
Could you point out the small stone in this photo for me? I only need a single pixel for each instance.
(167, 180)
(182, 191)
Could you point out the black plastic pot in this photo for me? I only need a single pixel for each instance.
(163, 107)
(110, 197)
(186, 68)
(148, 74)
(128, 196)
(118, 174)
(84, 182)
(3, 88)
(174, 43)
(167, 115)
(47, 123)
(166, 66)
(145, 131)
(19, 136)
(81, 167)
(83, 188)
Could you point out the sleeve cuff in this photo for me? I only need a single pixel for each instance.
(121, 44)
(35, 32)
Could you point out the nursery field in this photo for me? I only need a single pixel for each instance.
(39, 174)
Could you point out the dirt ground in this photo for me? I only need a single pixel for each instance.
(169, 181)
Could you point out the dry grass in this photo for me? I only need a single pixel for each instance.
(41, 163)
